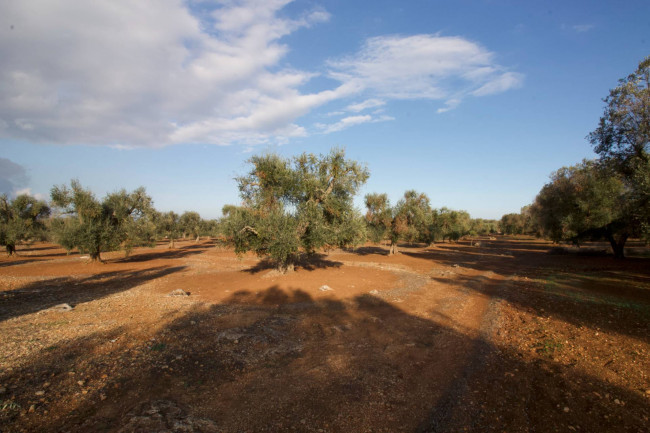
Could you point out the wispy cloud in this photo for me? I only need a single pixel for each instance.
(350, 121)
(424, 67)
(581, 28)
(368, 103)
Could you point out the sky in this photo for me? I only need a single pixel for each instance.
(474, 103)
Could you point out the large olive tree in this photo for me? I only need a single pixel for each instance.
(622, 140)
(296, 206)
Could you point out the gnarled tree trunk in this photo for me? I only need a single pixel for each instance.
(618, 245)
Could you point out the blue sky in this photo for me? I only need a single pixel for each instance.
(473, 102)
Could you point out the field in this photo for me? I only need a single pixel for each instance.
(497, 337)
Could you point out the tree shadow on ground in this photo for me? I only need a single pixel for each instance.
(281, 360)
(40, 295)
(307, 262)
(173, 253)
(583, 300)
(371, 250)
(16, 262)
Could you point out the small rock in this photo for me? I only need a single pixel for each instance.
(325, 288)
(566, 409)
(179, 292)
(32, 408)
(374, 292)
(46, 384)
(39, 393)
(455, 265)
(617, 401)
(102, 397)
(60, 307)
(647, 391)
(80, 382)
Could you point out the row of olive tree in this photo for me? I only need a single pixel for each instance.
(122, 220)
(607, 198)
(413, 219)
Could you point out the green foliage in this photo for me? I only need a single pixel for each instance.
(483, 227)
(190, 223)
(21, 219)
(518, 223)
(295, 206)
(413, 217)
(622, 140)
(451, 224)
(167, 226)
(121, 220)
(585, 201)
(379, 216)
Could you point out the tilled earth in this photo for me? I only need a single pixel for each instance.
(497, 337)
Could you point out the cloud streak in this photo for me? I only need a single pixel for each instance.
(425, 67)
(350, 121)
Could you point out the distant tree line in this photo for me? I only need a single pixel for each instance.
(607, 198)
(77, 220)
(412, 220)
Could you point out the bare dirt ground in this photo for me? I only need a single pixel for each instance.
(500, 337)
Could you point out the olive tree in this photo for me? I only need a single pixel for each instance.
(94, 227)
(190, 223)
(379, 216)
(21, 219)
(294, 206)
(410, 220)
(452, 224)
(622, 140)
(587, 201)
(168, 226)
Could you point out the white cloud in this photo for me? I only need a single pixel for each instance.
(581, 28)
(424, 67)
(368, 103)
(130, 74)
(450, 104)
(349, 121)
(28, 191)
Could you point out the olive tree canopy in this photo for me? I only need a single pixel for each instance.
(297, 205)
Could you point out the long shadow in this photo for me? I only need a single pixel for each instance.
(41, 295)
(371, 250)
(581, 290)
(308, 263)
(15, 262)
(281, 360)
(581, 300)
(173, 253)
